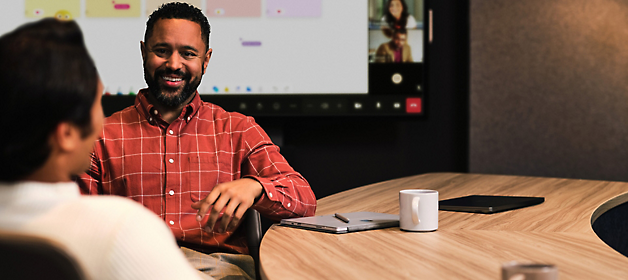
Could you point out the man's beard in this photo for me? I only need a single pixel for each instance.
(176, 97)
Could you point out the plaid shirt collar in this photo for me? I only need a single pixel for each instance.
(148, 111)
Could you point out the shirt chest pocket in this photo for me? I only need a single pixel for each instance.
(205, 171)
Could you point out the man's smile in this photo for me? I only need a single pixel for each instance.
(172, 81)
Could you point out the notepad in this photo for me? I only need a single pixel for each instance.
(358, 221)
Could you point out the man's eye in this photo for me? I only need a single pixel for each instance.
(189, 54)
(160, 51)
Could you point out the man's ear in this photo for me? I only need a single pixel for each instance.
(66, 137)
(143, 50)
(208, 55)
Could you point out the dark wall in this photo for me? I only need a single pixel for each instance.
(339, 153)
(549, 88)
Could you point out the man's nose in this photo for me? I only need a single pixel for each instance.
(174, 61)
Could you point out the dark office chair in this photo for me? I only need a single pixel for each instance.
(253, 223)
(30, 257)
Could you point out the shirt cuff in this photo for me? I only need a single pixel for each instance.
(269, 194)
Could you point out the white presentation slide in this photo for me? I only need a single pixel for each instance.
(259, 46)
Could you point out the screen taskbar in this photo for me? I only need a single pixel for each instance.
(300, 105)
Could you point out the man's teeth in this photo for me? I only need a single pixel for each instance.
(171, 79)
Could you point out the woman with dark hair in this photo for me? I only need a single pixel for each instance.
(51, 115)
(396, 16)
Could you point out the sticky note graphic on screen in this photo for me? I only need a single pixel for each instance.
(234, 8)
(250, 43)
(294, 8)
(66, 9)
(112, 8)
(152, 5)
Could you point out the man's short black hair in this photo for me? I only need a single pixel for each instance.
(47, 78)
(178, 10)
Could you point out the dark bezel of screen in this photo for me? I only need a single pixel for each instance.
(384, 97)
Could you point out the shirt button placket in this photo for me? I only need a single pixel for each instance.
(173, 179)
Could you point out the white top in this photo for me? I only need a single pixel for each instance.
(110, 237)
(411, 24)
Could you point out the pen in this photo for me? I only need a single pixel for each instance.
(341, 217)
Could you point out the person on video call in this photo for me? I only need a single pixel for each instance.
(191, 162)
(51, 107)
(396, 50)
(396, 16)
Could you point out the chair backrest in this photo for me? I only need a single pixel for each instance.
(26, 257)
(253, 223)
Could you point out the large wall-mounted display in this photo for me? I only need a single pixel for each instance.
(270, 57)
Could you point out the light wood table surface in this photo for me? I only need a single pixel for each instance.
(466, 245)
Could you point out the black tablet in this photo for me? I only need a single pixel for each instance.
(488, 204)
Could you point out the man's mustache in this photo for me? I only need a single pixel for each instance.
(177, 72)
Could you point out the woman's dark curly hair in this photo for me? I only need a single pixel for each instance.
(392, 21)
(48, 78)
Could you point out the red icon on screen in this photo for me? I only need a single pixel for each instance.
(120, 6)
(413, 105)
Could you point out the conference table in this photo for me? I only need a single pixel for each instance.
(466, 245)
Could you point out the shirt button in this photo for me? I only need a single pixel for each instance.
(270, 195)
(171, 160)
(171, 192)
(150, 119)
(171, 132)
(155, 112)
(189, 118)
(171, 222)
(288, 204)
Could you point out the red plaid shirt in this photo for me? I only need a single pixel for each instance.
(166, 167)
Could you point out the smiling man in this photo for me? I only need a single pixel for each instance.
(191, 162)
(175, 58)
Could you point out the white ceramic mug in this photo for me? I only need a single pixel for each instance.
(418, 210)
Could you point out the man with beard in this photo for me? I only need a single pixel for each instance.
(396, 50)
(191, 162)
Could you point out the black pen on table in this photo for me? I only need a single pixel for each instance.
(341, 217)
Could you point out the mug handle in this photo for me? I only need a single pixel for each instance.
(415, 210)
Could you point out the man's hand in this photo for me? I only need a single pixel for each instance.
(234, 197)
